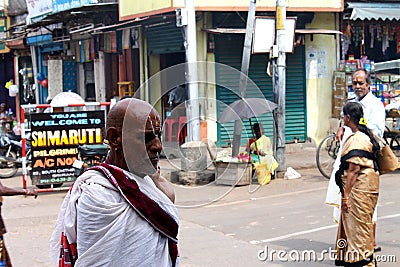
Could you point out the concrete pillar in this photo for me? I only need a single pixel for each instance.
(55, 78)
(99, 77)
(194, 156)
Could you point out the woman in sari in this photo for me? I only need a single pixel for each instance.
(358, 180)
(262, 154)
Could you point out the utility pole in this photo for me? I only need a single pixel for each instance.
(279, 84)
(237, 132)
(192, 106)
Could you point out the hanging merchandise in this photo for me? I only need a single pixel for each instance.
(44, 83)
(126, 38)
(345, 43)
(8, 84)
(86, 48)
(385, 39)
(378, 33)
(358, 35)
(40, 76)
(77, 52)
(107, 42)
(390, 32)
(398, 39)
(13, 90)
(92, 50)
(371, 32)
(113, 41)
(362, 46)
(346, 40)
(347, 30)
(355, 36)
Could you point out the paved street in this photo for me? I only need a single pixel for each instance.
(287, 215)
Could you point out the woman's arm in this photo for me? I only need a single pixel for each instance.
(352, 174)
(7, 191)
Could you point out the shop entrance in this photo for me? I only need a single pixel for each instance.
(175, 110)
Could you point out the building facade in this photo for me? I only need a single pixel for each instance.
(220, 28)
(104, 50)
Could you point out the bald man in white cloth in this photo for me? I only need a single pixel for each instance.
(121, 212)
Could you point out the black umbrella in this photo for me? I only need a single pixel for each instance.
(247, 108)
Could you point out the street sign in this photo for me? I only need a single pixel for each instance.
(55, 138)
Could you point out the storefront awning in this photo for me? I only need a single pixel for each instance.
(375, 11)
(392, 66)
(39, 39)
(298, 31)
(118, 26)
(16, 44)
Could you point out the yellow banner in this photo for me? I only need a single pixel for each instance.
(130, 9)
(279, 18)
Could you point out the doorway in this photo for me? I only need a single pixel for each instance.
(174, 114)
(166, 61)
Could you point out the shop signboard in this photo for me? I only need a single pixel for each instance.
(55, 138)
(3, 33)
(60, 5)
(37, 9)
(264, 34)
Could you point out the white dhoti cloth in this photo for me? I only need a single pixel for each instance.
(333, 195)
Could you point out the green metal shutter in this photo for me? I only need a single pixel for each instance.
(229, 51)
(165, 38)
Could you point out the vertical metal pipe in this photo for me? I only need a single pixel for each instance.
(237, 132)
(23, 142)
(192, 106)
(280, 142)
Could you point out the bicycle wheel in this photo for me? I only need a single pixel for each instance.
(326, 155)
(395, 145)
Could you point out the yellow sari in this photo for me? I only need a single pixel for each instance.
(267, 165)
(355, 237)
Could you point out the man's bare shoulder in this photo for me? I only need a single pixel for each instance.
(164, 186)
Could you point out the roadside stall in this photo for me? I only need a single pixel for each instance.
(370, 40)
(238, 169)
(53, 132)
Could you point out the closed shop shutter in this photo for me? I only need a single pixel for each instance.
(165, 38)
(229, 51)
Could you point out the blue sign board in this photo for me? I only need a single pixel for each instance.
(61, 5)
(39, 39)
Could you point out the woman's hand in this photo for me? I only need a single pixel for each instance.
(31, 192)
(345, 204)
(340, 133)
(352, 174)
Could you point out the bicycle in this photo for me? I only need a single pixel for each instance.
(392, 134)
(327, 152)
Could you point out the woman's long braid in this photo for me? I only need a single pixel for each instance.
(356, 116)
(375, 144)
